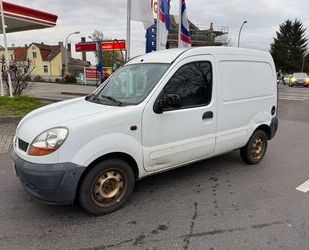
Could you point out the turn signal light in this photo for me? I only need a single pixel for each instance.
(40, 151)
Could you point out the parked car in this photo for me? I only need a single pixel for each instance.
(299, 79)
(160, 111)
(286, 79)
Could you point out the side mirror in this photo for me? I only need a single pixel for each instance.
(158, 106)
(170, 100)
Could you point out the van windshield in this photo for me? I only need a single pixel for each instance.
(129, 85)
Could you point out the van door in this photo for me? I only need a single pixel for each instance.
(184, 132)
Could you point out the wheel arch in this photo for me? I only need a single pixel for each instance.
(266, 129)
(115, 155)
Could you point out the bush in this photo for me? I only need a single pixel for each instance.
(69, 79)
(38, 79)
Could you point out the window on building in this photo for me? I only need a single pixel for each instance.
(34, 54)
(192, 83)
(45, 69)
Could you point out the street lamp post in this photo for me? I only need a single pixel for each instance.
(245, 22)
(66, 51)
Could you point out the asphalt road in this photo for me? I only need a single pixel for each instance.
(219, 203)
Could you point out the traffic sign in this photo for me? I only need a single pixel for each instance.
(115, 45)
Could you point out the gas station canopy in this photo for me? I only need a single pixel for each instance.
(20, 18)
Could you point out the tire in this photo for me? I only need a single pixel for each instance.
(106, 187)
(256, 148)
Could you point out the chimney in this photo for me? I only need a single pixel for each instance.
(84, 57)
(211, 27)
(69, 48)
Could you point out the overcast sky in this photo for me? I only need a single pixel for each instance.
(109, 16)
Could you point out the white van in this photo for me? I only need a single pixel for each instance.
(160, 111)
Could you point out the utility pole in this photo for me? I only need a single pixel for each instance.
(128, 51)
(100, 55)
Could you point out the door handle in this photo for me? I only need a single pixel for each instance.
(208, 115)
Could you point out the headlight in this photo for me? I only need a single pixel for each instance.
(307, 80)
(48, 142)
(293, 79)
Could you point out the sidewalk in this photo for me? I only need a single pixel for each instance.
(7, 131)
(53, 92)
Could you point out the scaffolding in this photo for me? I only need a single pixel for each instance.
(200, 35)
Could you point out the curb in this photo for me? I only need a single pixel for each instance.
(47, 100)
(74, 93)
(10, 119)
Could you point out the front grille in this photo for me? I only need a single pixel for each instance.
(22, 145)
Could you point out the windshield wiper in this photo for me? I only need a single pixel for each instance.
(119, 103)
(89, 97)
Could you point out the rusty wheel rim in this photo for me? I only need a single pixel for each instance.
(108, 188)
(258, 148)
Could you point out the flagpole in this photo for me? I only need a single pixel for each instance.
(158, 26)
(128, 52)
(180, 21)
(7, 63)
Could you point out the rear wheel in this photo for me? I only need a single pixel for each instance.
(106, 187)
(255, 149)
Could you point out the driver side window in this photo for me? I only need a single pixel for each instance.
(192, 84)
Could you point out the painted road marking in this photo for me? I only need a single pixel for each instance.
(292, 98)
(303, 187)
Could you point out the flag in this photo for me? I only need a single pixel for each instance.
(163, 23)
(141, 11)
(185, 34)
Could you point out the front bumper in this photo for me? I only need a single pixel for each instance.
(299, 84)
(49, 183)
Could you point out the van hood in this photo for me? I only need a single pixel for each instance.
(59, 114)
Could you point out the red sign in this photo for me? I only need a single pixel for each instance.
(114, 45)
(106, 46)
(94, 74)
(86, 47)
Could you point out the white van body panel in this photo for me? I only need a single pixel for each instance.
(246, 98)
(240, 104)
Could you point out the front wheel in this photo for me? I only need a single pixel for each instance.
(106, 187)
(255, 149)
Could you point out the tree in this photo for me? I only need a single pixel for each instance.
(109, 57)
(289, 46)
(20, 74)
